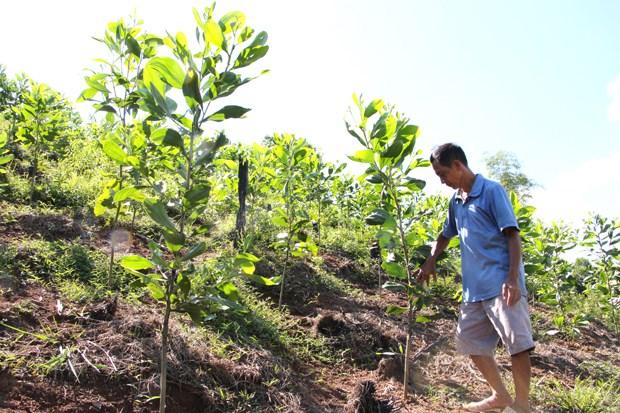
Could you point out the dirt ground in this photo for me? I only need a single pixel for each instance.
(102, 357)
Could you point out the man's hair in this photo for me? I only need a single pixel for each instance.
(447, 153)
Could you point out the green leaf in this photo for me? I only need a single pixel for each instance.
(129, 193)
(104, 108)
(228, 112)
(133, 47)
(246, 266)
(93, 82)
(191, 89)
(373, 107)
(157, 211)
(378, 217)
(422, 319)
(229, 163)
(353, 133)
(247, 256)
(184, 284)
(197, 17)
(174, 240)
(394, 150)
(365, 156)
(454, 242)
(374, 179)
(213, 34)
(414, 184)
(395, 310)
(169, 70)
(250, 55)
(408, 132)
(207, 149)
(136, 262)
(6, 158)
(229, 289)
(195, 251)
(394, 269)
(154, 85)
(157, 292)
(114, 151)
(87, 94)
(268, 282)
(102, 203)
(198, 194)
(232, 21)
(280, 220)
(168, 137)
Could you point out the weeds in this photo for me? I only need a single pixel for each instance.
(586, 396)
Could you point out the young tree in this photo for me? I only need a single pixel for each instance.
(113, 89)
(602, 237)
(294, 160)
(43, 121)
(389, 141)
(178, 93)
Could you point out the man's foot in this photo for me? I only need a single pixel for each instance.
(516, 409)
(490, 404)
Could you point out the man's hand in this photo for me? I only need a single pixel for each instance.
(511, 293)
(427, 270)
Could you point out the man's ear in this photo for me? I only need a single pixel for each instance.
(458, 165)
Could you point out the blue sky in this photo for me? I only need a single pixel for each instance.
(537, 78)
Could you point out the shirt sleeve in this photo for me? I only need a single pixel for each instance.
(502, 209)
(449, 226)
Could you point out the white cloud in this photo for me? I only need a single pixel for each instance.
(593, 186)
(613, 90)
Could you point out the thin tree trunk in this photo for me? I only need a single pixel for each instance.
(410, 315)
(318, 243)
(114, 226)
(242, 187)
(407, 352)
(282, 279)
(163, 355)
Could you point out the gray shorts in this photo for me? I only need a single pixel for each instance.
(482, 324)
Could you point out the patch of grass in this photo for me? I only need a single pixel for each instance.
(73, 182)
(263, 325)
(269, 325)
(355, 242)
(329, 281)
(80, 273)
(78, 292)
(600, 370)
(586, 396)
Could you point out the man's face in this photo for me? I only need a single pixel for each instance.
(449, 175)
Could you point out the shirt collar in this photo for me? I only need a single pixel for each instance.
(476, 189)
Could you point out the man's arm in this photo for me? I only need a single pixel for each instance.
(429, 266)
(511, 292)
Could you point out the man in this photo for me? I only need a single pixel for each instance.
(494, 296)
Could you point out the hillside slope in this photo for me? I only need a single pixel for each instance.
(318, 354)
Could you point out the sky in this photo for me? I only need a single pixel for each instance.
(540, 79)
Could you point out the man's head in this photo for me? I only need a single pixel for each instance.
(450, 164)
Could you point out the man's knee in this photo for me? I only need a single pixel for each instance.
(523, 353)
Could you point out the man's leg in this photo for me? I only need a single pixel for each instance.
(513, 325)
(476, 337)
(500, 397)
(521, 372)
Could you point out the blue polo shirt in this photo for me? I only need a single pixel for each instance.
(479, 221)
